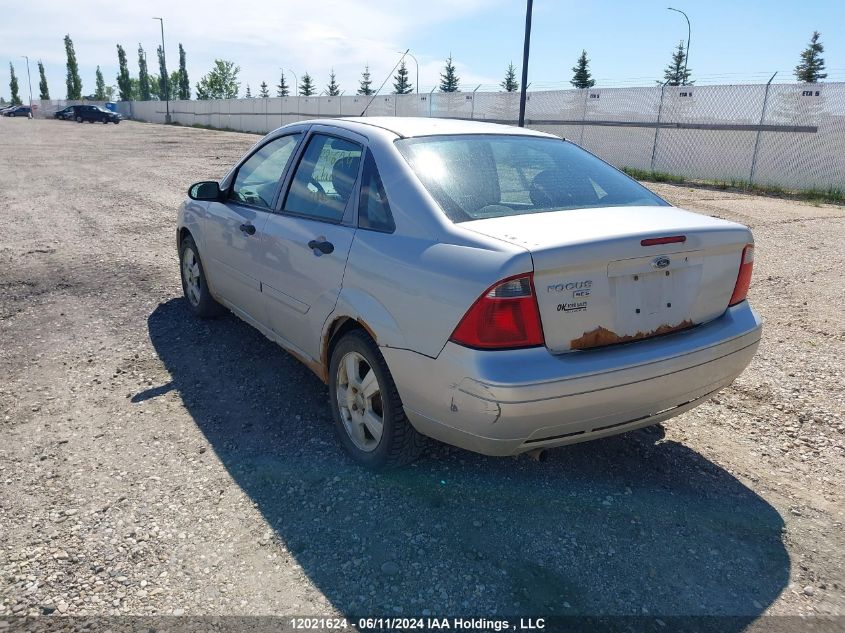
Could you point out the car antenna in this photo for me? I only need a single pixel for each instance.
(385, 81)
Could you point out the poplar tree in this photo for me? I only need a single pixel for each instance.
(13, 86)
(184, 85)
(100, 92)
(73, 80)
(163, 87)
(812, 63)
(42, 84)
(143, 75)
(124, 81)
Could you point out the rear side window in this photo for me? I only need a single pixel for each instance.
(472, 177)
(324, 178)
(373, 208)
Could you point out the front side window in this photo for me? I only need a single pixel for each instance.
(472, 177)
(257, 179)
(373, 209)
(324, 178)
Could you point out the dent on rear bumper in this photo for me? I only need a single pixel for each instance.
(506, 402)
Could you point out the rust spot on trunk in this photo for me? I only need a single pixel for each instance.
(600, 337)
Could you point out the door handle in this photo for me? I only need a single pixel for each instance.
(323, 246)
(249, 229)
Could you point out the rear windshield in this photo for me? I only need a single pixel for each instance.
(473, 177)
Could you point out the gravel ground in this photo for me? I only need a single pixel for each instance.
(154, 464)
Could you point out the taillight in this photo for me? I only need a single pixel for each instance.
(505, 316)
(743, 279)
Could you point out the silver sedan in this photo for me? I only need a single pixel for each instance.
(491, 287)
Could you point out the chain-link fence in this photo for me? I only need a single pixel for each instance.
(788, 135)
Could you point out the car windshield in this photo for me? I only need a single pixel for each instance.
(473, 177)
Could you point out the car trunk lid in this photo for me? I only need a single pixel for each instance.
(600, 278)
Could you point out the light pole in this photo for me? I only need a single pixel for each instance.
(417, 64)
(689, 33)
(526, 45)
(165, 79)
(295, 81)
(29, 79)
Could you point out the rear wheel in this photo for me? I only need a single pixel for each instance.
(193, 281)
(368, 414)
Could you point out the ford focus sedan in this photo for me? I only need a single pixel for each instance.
(494, 288)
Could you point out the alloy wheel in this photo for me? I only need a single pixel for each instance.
(359, 401)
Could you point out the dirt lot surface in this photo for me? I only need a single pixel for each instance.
(151, 463)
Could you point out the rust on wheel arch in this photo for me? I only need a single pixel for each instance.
(601, 336)
(322, 368)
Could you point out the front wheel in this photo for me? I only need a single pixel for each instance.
(79, 119)
(193, 281)
(368, 413)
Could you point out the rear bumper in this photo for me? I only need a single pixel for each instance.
(508, 402)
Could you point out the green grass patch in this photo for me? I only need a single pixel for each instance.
(831, 195)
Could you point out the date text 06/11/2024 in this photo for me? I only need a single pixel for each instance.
(418, 624)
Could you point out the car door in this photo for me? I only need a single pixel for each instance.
(307, 242)
(233, 227)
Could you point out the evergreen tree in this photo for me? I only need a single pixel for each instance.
(13, 86)
(183, 85)
(676, 73)
(449, 81)
(364, 87)
(306, 86)
(42, 84)
(100, 94)
(812, 63)
(401, 84)
(332, 89)
(124, 82)
(582, 77)
(282, 88)
(143, 75)
(74, 81)
(248, 94)
(164, 88)
(221, 82)
(510, 84)
(264, 93)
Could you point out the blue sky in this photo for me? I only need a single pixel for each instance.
(628, 43)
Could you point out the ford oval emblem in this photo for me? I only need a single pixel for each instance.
(661, 262)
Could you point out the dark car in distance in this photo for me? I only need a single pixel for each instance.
(20, 110)
(93, 114)
(65, 114)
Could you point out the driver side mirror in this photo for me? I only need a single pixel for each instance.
(205, 190)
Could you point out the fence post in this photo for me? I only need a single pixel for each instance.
(759, 130)
(584, 116)
(431, 100)
(657, 126)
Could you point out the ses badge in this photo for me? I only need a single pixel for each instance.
(579, 291)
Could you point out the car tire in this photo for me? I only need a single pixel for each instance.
(194, 285)
(105, 122)
(79, 119)
(359, 400)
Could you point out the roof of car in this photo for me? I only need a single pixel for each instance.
(424, 126)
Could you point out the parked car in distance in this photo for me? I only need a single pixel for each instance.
(492, 287)
(93, 114)
(20, 110)
(65, 114)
